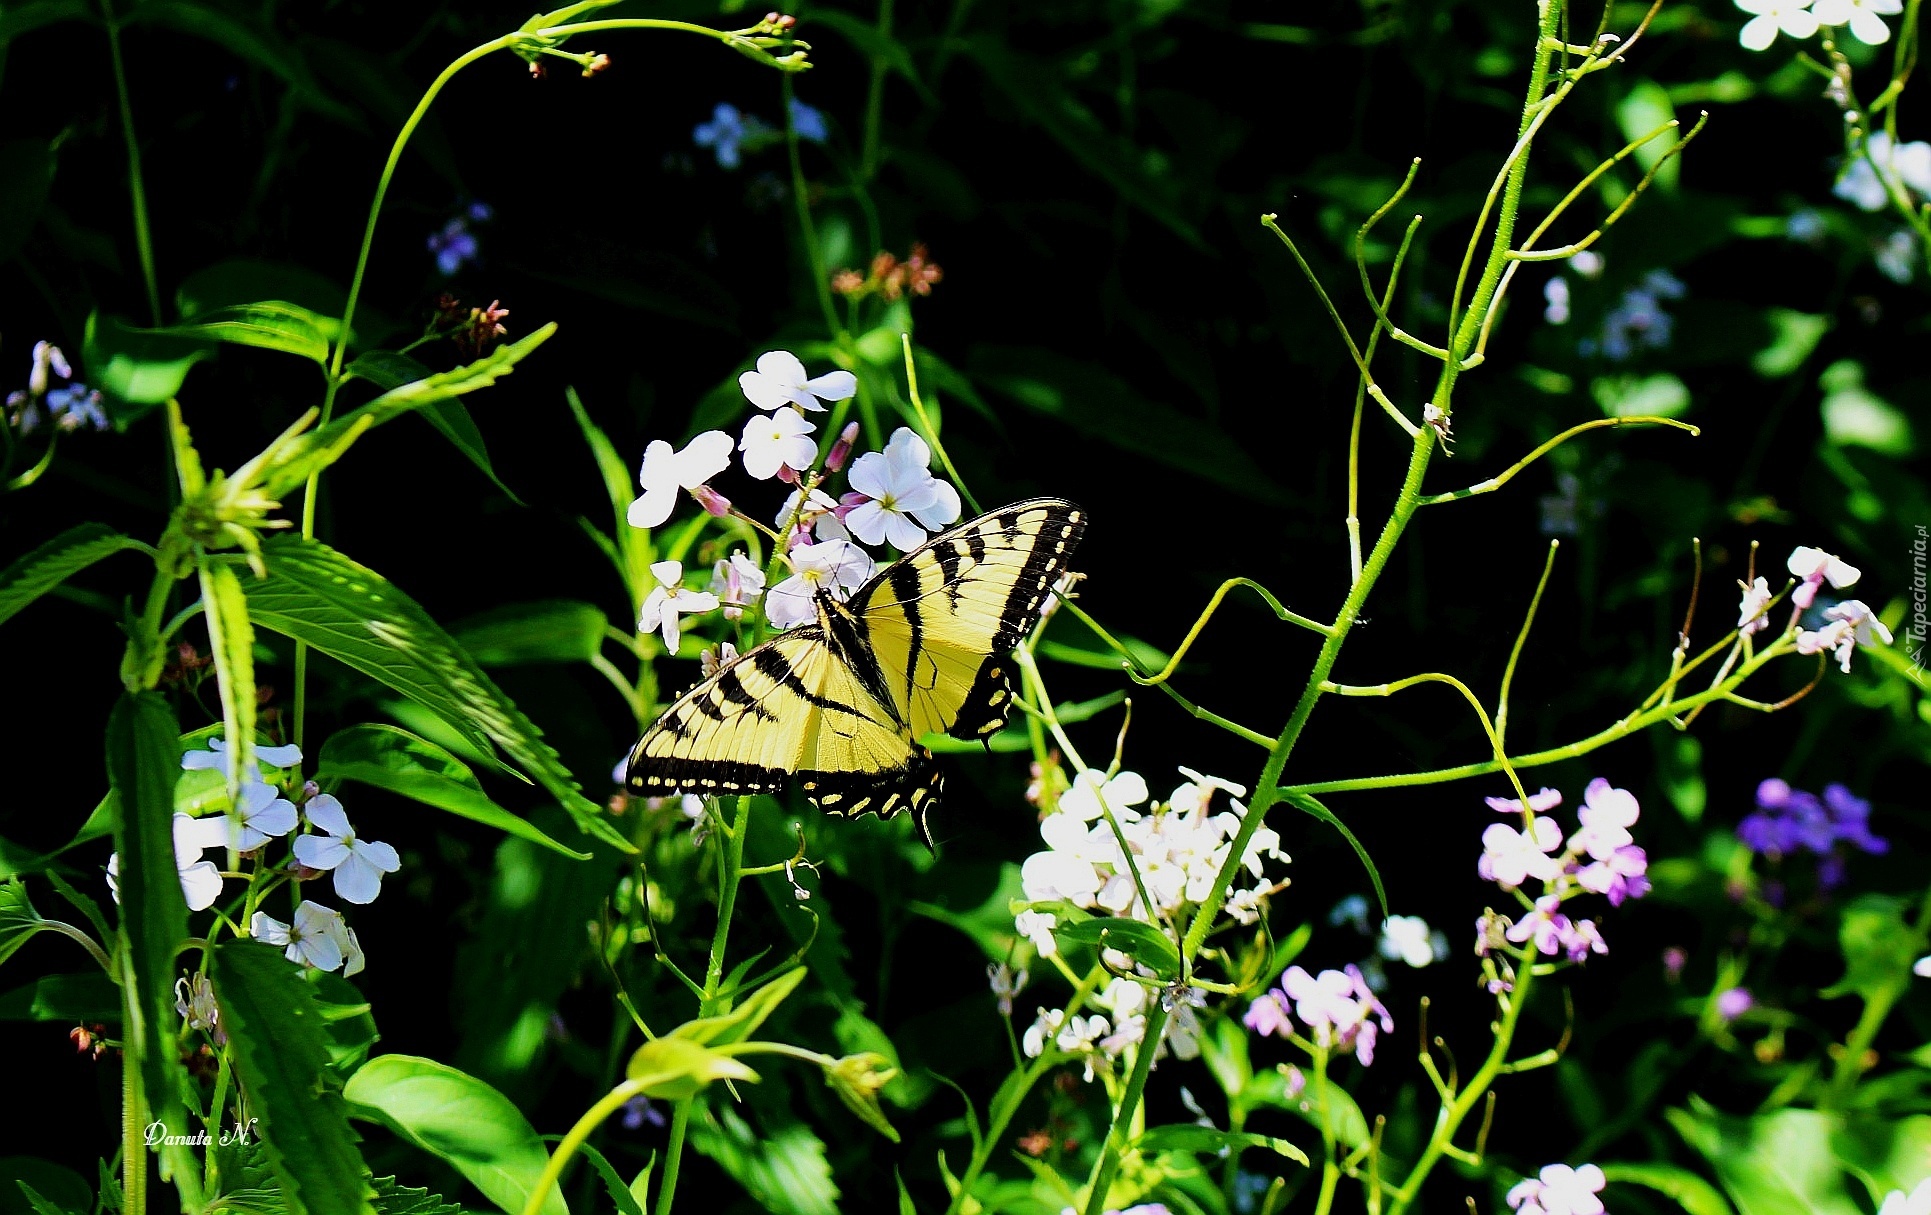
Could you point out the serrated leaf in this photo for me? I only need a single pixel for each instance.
(354, 615)
(743, 1021)
(45, 568)
(393, 1199)
(392, 758)
(1186, 1137)
(347, 1018)
(232, 641)
(143, 758)
(457, 1118)
(784, 1170)
(19, 922)
(547, 630)
(281, 1054)
(1689, 1191)
(1142, 942)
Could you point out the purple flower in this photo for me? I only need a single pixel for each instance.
(808, 123)
(1675, 958)
(640, 1111)
(1733, 1003)
(454, 246)
(1541, 802)
(1546, 925)
(1621, 875)
(728, 130)
(1606, 815)
(1853, 819)
(74, 406)
(1268, 1017)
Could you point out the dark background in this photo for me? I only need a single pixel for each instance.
(1090, 175)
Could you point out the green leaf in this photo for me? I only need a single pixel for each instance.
(548, 630)
(1796, 335)
(1303, 802)
(626, 1202)
(393, 1199)
(352, 614)
(19, 922)
(1879, 946)
(281, 1053)
(322, 446)
(1622, 396)
(1689, 1191)
(65, 1189)
(676, 1067)
(136, 368)
(243, 280)
(1345, 1119)
(1854, 416)
(225, 610)
(784, 1170)
(84, 998)
(268, 324)
(1885, 1153)
(45, 568)
(631, 549)
(346, 1015)
(1142, 942)
(389, 369)
(1186, 1137)
(391, 758)
(26, 178)
(1644, 108)
(1774, 1164)
(743, 1021)
(457, 1118)
(143, 758)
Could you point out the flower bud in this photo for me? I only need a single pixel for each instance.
(841, 451)
(787, 474)
(714, 503)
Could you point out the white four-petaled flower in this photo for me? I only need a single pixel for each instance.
(736, 582)
(218, 756)
(200, 880)
(357, 864)
(899, 498)
(1771, 17)
(1850, 624)
(777, 440)
(1560, 1190)
(319, 937)
(668, 600)
(666, 470)
(261, 814)
(1812, 567)
(837, 567)
(1865, 17)
(780, 381)
(1511, 857)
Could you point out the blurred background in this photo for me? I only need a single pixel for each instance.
(1112, 325)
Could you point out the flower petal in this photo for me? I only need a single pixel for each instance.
(357, 880)
(325, 811)
(833, 386)
(320, 852)
(703, 458)
(201, 885)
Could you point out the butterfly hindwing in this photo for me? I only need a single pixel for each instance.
(941, 620)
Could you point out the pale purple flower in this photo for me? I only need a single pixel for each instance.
(357, 864)
(1733, 1002)
(807, 123)
(898, 497)
(1338, 1007)
(454, 246)
(641, 1111)
(780, 380)
(727, 131)
(1812, 567)
(312, 940)
(1620, 875)
(1750, 612)
(1560, 1190)
(737, 582)
(1511, 857)
(1267, 1016)
(1583, 939)
(835, 567)
(1606, 815)
(776, 441)
(1546, 926)
(1851, 817)
(1541, 802)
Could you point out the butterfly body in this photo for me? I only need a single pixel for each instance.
(841, 702)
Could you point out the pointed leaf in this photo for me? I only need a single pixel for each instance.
(458, 1118)
(230, 637)
(743, 1021)
(391, 758)
(1140, 941)
(19, 922)
(354, 615)
(1687, 1190)
(1301, 801)
(281, 1052)
(136, 368)
(267, 324)
(45, 568)
(784, 1170)
(1186, 1137)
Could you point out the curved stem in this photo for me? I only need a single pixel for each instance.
(143, 238)
(1504, 477)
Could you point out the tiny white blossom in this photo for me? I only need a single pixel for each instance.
(1037, 927)
(1560, 1190)
(194, 999)
(200, 880)
(260, 815)
(1812, 567)
(668, 600)
(1090, 788)
(777, 440)
(837, 567)
(310, 941)
(1771, 17)
(358, 864)
(1851, 624)
(819, 517)
(709, 662)
(1409, 938)
(1006, 983)
(902, 499)
(218, 756)
(736, 583)
(1750, 612)
(1043, 1029)
(780, 381)
(1922, 967)
(1865, 17)
(1917, 1202)
(665, 471)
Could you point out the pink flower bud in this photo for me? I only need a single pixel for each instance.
(841, 451)
(714, 503)
(787, 474)
(847, 503)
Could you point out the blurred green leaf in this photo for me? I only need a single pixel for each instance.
(1689, 1191)
(136, 368)
(1186, 1137)
(1271, 1087)
(1144, 943)
(21, 19)
(1856, 417)
(1644, 108)
(354, 615)
(548, 630)
(394, 759)
(459, 1119)
(1774, 1164)
(240, 281)
(1680, 769)
(268, 324)
(46, 567)
(1661, 395)
(1879, 946)
(1886, 1154)
(19, 922)
(281, 1054)
(231, 637)
(26, 178)
(75, 999)
(347, 1019)
(784, 1169)
(55, 1183)
(1796, 335)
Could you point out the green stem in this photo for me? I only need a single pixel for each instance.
(134, 1152)
(143, 239)
(875, 96)
(1330, 1167)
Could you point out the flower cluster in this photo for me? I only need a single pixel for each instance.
(893, 498)
(260, 814)
(1338, 1009)
(1559, 1190)
(454, 244)
(1098, 1039)
(889, 278)
(1788, 821)
(1638, 320)
(1801, 19)
(69, 406)
(1599, 857)
(1846, 624)
(731, 133)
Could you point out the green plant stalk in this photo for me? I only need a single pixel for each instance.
(134, 1152)
(143, 237)
(1330, 1168)
(730, 875)
(1267, 789)
(1453, 1113)
(1857, 1044)
(874, 98)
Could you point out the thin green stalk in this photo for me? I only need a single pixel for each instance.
(134, 1152)
(1330, 1168)
(143, 238)
(875, 96)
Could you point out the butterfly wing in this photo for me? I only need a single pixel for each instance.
(793, 705)
(942, 619)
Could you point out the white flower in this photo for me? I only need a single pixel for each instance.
(1606, 815)
(1037, 927)
(1199, 790)
(1119, 793)
(777, 440)
(218, 756)
(260, 815)
(900, 488)
(709, 662)
(1917, 1202)
(1750, 612)
(666, 471)
(311, 941)
(1511, 857)
(200, 880)
(1907, 165)
(670, 599)
(1060, 875)
(194, 999)
(1851, 624)
(1560, 1190)
(737, 583)
(1409, 938)
(1812, 566)
(1792, 17)
(358, 864)
(344, 937)
(818, 517)
(780, 381)
(1922, 967)
(837, 567)
(1045, 1025)
(1006, 983)
(1863, 16)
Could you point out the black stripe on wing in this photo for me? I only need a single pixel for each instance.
(918, 787)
